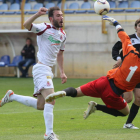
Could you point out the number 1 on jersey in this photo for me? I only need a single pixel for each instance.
(132, 71)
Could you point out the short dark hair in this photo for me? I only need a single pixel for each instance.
(51, 11)
(137, 22)
(29, 39)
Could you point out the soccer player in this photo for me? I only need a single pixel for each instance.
(128, 96)
(110, 88)
(51, 44)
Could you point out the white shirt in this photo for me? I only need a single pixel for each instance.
(50, 41)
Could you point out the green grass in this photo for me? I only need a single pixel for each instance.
(20, 122)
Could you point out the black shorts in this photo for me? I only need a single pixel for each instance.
(138, 85)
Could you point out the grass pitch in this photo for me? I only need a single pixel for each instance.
(18, 121)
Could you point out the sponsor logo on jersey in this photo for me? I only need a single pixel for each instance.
(49, 77)
(51, 33)
(48, 83)
(56, 42)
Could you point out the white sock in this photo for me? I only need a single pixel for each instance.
(48, 117)
(26, 100)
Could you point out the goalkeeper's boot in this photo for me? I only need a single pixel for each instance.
(55, 95)
(6, 98)
(130, 126)
(91, 108)
(110, 19)
(51, 136)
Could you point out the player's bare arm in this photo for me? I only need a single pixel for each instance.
(60, 59)
(29, 21)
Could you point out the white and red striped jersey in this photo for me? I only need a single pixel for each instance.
(50, 41)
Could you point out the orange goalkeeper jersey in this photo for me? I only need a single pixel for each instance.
(127, 76)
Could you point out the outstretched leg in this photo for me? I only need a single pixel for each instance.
(73, 92)
(26, 100)
(93, 106)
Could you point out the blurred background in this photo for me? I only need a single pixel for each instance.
(89, 39)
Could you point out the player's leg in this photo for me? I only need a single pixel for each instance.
(93, 106)
(125, 111)
(48, 115)
(72, 92)
(128, 96)
(114, 105)
(42, 77)
(134, 110)
(40, 102)
(65, 92)
(26, 100)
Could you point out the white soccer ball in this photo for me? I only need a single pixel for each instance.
(101, 7)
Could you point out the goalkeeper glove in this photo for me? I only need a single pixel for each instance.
(111, 20)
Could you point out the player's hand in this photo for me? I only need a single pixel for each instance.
(119, 62)
(42, 11)
(63, 78)
(110, 19)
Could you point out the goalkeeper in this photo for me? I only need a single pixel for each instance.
(110, 88)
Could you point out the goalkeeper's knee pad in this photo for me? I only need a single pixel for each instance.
(71, 92)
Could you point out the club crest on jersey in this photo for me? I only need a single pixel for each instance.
(48, 83)
(37, 30)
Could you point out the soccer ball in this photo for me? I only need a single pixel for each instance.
(101, 7)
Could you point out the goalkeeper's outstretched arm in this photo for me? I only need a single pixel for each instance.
(113, 22)
(122, 35)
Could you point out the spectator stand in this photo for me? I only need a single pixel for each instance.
(71, 6)
(36, 8)
(3, 8)
(76, 11)
(122, 5)
(135, 5)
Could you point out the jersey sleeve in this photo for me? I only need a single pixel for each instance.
(62, 48)
(38, 28)
(126, 42)
(116, 49)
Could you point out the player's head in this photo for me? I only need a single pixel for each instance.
(28, 41)
(137, 26)
(55, 16)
